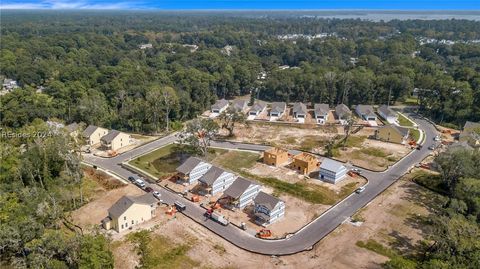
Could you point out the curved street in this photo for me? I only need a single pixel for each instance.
(310, 234)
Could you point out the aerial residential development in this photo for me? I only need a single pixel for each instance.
(239, 134)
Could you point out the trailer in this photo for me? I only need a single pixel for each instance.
(217, 217)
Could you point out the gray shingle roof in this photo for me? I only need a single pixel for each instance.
(278, 107)
(388, 112)
(187, 166)
(89, 130)
(124, 203)
(321, 109)
(211, 175)
(238, 187)
(366, 110)
(110, 136)
(342, 110)
(240, 105)
(331, 165)
(72, 127)
(220, 104)
(258, 106)
(266, 200)
(299, 108)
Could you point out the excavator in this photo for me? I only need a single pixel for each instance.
(264, 233)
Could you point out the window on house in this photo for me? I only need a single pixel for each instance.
(126, 224)
(122, 226)
(132, 222)
(125, 218)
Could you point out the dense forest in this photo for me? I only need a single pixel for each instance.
(88, 67)
(93, 71)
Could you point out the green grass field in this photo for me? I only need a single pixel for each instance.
(403, 121)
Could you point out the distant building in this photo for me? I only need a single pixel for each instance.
(332, 171)
(299, 111)
(321, 113)
(275, 156)
(257, 108)
(241, 192)
(471, 134)
(305, 163)
(268, 209)
(192, 169)
(115, 140)
(227, 50)
(9, 84)
(240, 105)
(387, 114)
(278, 109)
(93, 134)
(343, 113)
(129, 211)
(393, 134)
(366, 112)
(145, 46)
(219, 106)
(216, 180)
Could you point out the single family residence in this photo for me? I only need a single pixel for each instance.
(305, 163)
(366, 112)
(241, 192)
(268, 209)
(388, 114)
(332, 171)
(219, 106)
(257, 108)
(129, 211)
(471, 134)
(216, 180)
(275, 156)
(278, 109)
(93, 134)
(240, 105)
(321, 113)
(192, 169)
(343, 113)
(299, 111)
(115, 140)
(393, 134)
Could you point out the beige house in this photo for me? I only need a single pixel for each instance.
(115, 140)
(129, 211)
(305, 163)
(393, 134)
(275, 156)
(93, 134)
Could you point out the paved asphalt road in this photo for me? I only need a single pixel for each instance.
(306, 237)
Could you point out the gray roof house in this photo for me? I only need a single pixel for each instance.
(299, 110)
(366, 112)
(89, 131)
(219, 106)
(278, 108)
(343, 112)
(129, 211)
(192, 169)
(242, 192)
(332, 171)
(240, 105)
(321, 112)
(387, 113)
(93, 134)
(257, 108)
(108, 138)
(216, 180)
(268, 208)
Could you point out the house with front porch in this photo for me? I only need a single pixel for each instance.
(278, 109)
(241, 192)
(321, 113)
(216, 180)
(268, 209)
(192, 169)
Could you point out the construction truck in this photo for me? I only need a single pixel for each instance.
(264, 233)
(217, 217)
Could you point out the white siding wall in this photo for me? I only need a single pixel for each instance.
(198, 172)
(223, 181)
(331, 176)
(277, 213)
(248, 195)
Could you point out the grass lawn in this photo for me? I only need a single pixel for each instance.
(415, 134)
(403, 121)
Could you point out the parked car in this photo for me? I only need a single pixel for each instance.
(357, 171)
(419, 147)
(148, 189)
(131, 179)
(156, 194)
(140, 183)
(436, 138)
(432, 147)
(180, 207)
(360, 190)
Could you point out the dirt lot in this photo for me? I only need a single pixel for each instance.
(388, 220)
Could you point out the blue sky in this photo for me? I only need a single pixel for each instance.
(244, 4)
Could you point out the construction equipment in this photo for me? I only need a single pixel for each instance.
(195, 198)
(352, 174)
(171, 211)
(264, 233)
(210, 213)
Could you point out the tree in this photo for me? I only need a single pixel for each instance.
(95, 253)
(454, 165)
(230, 117)
(347, 129)
(170, 100)
(199, 133)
